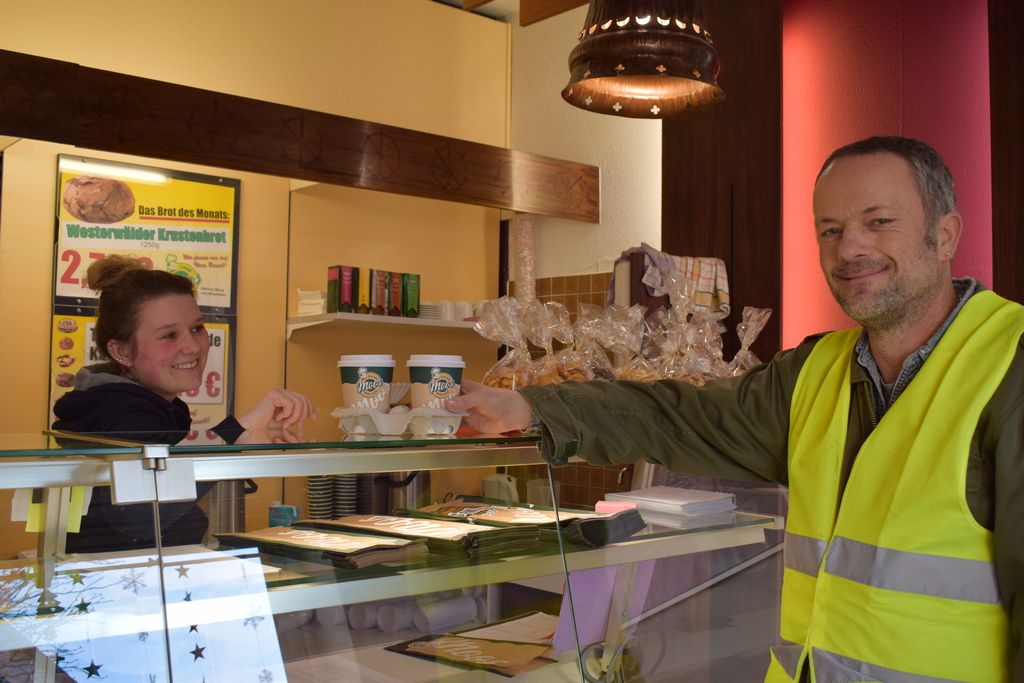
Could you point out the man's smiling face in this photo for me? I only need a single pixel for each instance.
(874, 245)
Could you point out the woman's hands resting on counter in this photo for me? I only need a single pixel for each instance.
(491, 410)
(279, 408)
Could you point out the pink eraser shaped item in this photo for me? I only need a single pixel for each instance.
(613, 506)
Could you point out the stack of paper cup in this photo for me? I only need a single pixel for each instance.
(366, 381)
(435, 379)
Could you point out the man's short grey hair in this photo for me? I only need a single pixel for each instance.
(934, 181)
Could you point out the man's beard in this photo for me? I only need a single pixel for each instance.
(897, 304)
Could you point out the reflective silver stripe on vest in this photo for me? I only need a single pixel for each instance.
(803, 553)
(787, 654)
(896, 570)
(832, 668)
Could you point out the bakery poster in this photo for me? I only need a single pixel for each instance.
(73, 347)
(185, 223)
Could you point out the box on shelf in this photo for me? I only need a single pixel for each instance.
(395, 293)
(379, 291)
(342, 288)
(411, 295)
(363, 290)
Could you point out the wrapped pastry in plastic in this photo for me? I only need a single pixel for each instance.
(754, 320)
(626, 338)
(502, 322)
(538, 324)
(547, 322)
(591, 359)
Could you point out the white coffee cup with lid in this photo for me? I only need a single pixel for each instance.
(366, 381)
(435, 379)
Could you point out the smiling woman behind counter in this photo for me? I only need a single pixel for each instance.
(150, 328)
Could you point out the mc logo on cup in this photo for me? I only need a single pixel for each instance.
(441, 384)
(370, 384)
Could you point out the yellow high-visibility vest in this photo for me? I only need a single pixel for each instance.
(896, 582)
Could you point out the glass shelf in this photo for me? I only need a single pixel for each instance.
(48, 459)
(304, 585)
(299, 322)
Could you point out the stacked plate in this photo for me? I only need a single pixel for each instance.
(428, 310)
(320, 489)
(346, 489)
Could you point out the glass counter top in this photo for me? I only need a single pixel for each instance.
(322, 435)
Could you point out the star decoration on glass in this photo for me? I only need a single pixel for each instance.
(83, 606)
(183, 572)
(193, 627)
(132, 581)
(266, 676)
(76, 577)
(93, 669)
(253, 621)
(198, 652)
(188, 596)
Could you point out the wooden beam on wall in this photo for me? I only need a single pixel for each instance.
(44, 99)
(1005, 27)
(532, 11)
(722, 168)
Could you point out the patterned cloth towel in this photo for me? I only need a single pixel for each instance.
(710, 274)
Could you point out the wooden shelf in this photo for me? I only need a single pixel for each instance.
(302, 321)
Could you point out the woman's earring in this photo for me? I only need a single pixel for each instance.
(122, 361)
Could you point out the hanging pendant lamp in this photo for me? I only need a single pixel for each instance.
(644, 59)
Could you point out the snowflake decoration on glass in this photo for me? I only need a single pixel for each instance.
(132, 581)
(266, 676)
(254, 617)
(144, 636)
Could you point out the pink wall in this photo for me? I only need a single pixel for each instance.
(852, 70)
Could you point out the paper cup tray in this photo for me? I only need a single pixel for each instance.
(418, 421)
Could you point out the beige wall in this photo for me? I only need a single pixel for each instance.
(628, 152)
(409, 63)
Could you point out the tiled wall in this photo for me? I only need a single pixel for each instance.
(582, 484)
(572, 290)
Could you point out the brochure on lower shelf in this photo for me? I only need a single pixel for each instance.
(344, 550)
(533, 627)
(580, 527)
(446, 538)
(502, 657)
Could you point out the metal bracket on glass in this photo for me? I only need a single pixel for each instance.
(154, 477)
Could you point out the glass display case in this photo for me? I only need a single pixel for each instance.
(388, 594)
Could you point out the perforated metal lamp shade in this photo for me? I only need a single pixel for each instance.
(644, 59)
